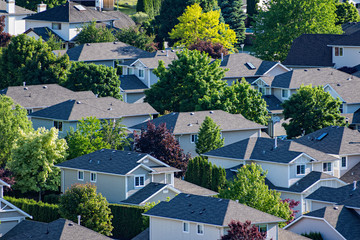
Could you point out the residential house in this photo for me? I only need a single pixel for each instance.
(124, 177)
(332, 222)
(107, 53)
(185, 126)
(295, 170)
(61, 229)
(36, 97)
(45, 33)
(197, 217)
(67, 114)
(10, 215)
(14, 16)
(68, 19)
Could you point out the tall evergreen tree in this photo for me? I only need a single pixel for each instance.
(234, 16)
(251, 8)
(209, 137)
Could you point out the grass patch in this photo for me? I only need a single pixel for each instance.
(126, 6)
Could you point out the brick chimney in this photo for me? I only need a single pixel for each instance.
(10, 6)
(41, 7)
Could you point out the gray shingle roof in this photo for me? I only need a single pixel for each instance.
(288, 235)
(103, 51)
(352, 174)
(151, 60)
(142, 194)
(345, 221)
(315, 76)
(43, 32)
(350, 27)
(272, 103)
(263, 149)
(209, 210)
(311, 50)
(339, 140)
(349, 91)
(190, 188)
(190, 122)
(102, 108)
(60, 229)
(345, 195)
(106, 161)
(131, 82)
(68, 13)
(40, 96)
(348, 40)
(18, 10)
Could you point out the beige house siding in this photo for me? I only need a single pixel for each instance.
(317, 205)
(131, 179)
(351, 162)
(162, 196)
(225, 163)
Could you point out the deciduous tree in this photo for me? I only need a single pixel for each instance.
(4, 37)
(243, 231)
(251, 8)
(195, 25)
(284, 20)
(82, 199)
(134, 36)
(346, 12)
(160, 143)
(311, 109)
(7, 176)
(209, 136)
(32, 4)
(13, 118)
(33, 160)
(213, 49)
(91, 33)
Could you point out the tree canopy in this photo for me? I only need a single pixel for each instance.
(91, 33)
(82, 199)
(209, 136)
(195, 25)
(13, 118)
(244, 231)
(136, 37)
(284, 20)
(4, 37)
(150, 7)
(311, 109)
(33, 160)
(160, 143)
(346, 12)
(185, 82)
(250, 189)
(215, 50)
(92, 135)
(100, 79)
(32, 61)
(32, 4)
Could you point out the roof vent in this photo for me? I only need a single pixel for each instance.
(318, 69)
(200, 212)
(114, 151)
(115, 42)
(173, 113)
(129, 153)
(44, 87)
(211, 112)
(98, 162)
(88, 44)
(190, 204)
(349, 79)
(192, 113)
(264, 152)
(305, 70)
(220, 199)
(336, 208)
(192, 211)
(26, 88)
(338, 84)
(101, 150)
(162, 51)
(172, 50)
(71, 224)
(189, 125)
(354, 188)
(90, 160)
(109, 109)
(78, 102)
(187, 195)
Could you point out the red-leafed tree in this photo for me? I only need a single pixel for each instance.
(213, 49)
(292, 204)
(4, 37)
(8, 177)
(160, 143)
(243, 231)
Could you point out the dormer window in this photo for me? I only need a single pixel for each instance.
(285, 93)
(300, 169)
(139, 181)
(339, 51)
(327, 167)
(141, 73)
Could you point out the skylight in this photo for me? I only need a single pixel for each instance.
(251, 66)
(321, 136)
(80, 8)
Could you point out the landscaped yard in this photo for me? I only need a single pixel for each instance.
(126, 6)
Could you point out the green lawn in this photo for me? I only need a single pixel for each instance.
(126, 6)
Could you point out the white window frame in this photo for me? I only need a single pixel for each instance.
(193, 140)
(341, 51)
(139, 176)
(346, 162)
(262, 225)
(143, 73)
(288, 93)
(299, 165)
(202, 228)
(327, 166)
(188, 227)
(93, 174)
(56, 24)
(78, 176)
(58, 124)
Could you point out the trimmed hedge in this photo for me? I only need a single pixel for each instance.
(42, 212)
(128, 221)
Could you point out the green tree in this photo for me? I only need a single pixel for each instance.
(235, 17)
(13, 118)
(32, 4)
(82, 199)
(92, 135)
(134, 36)
(54, 42)
(251, 8)
(185, 82)
(100, 79)
(32, 61)
(90, 33)
(33, 159)
(209, 137)
(195, 25)
(346, 12)
(311, 109)
(250, 189)
(150, 7)
(284, 20)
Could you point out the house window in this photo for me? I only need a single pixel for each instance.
(285, 93)
(186, 227)
(200, 229)
(344, 162)
(29, 111)
(141, 73)
(58, 125)
(56, 26)
(129, 71)
(139, 181)
(194, 138)
(262, 90)
(262, 228)
(300, 169)
(81, 175)
(93, 177)
(327, 167)
(341, 109)
(339, 51)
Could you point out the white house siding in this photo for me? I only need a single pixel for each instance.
(225, 163)
(276, 71)
(63, 33)
(334, 183)
(159, 178)
(317, 205)
(277, 93)
(307, 225)
(351, 108)
(293, 169)
(74, 29)
(153, 78)
(272, 232)
(131, 180)
(278, 174)
(131, 121)
(164, 195)
(38, 122)
(165, 229)
(350, 58)
(15, 24)
(351, 162)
